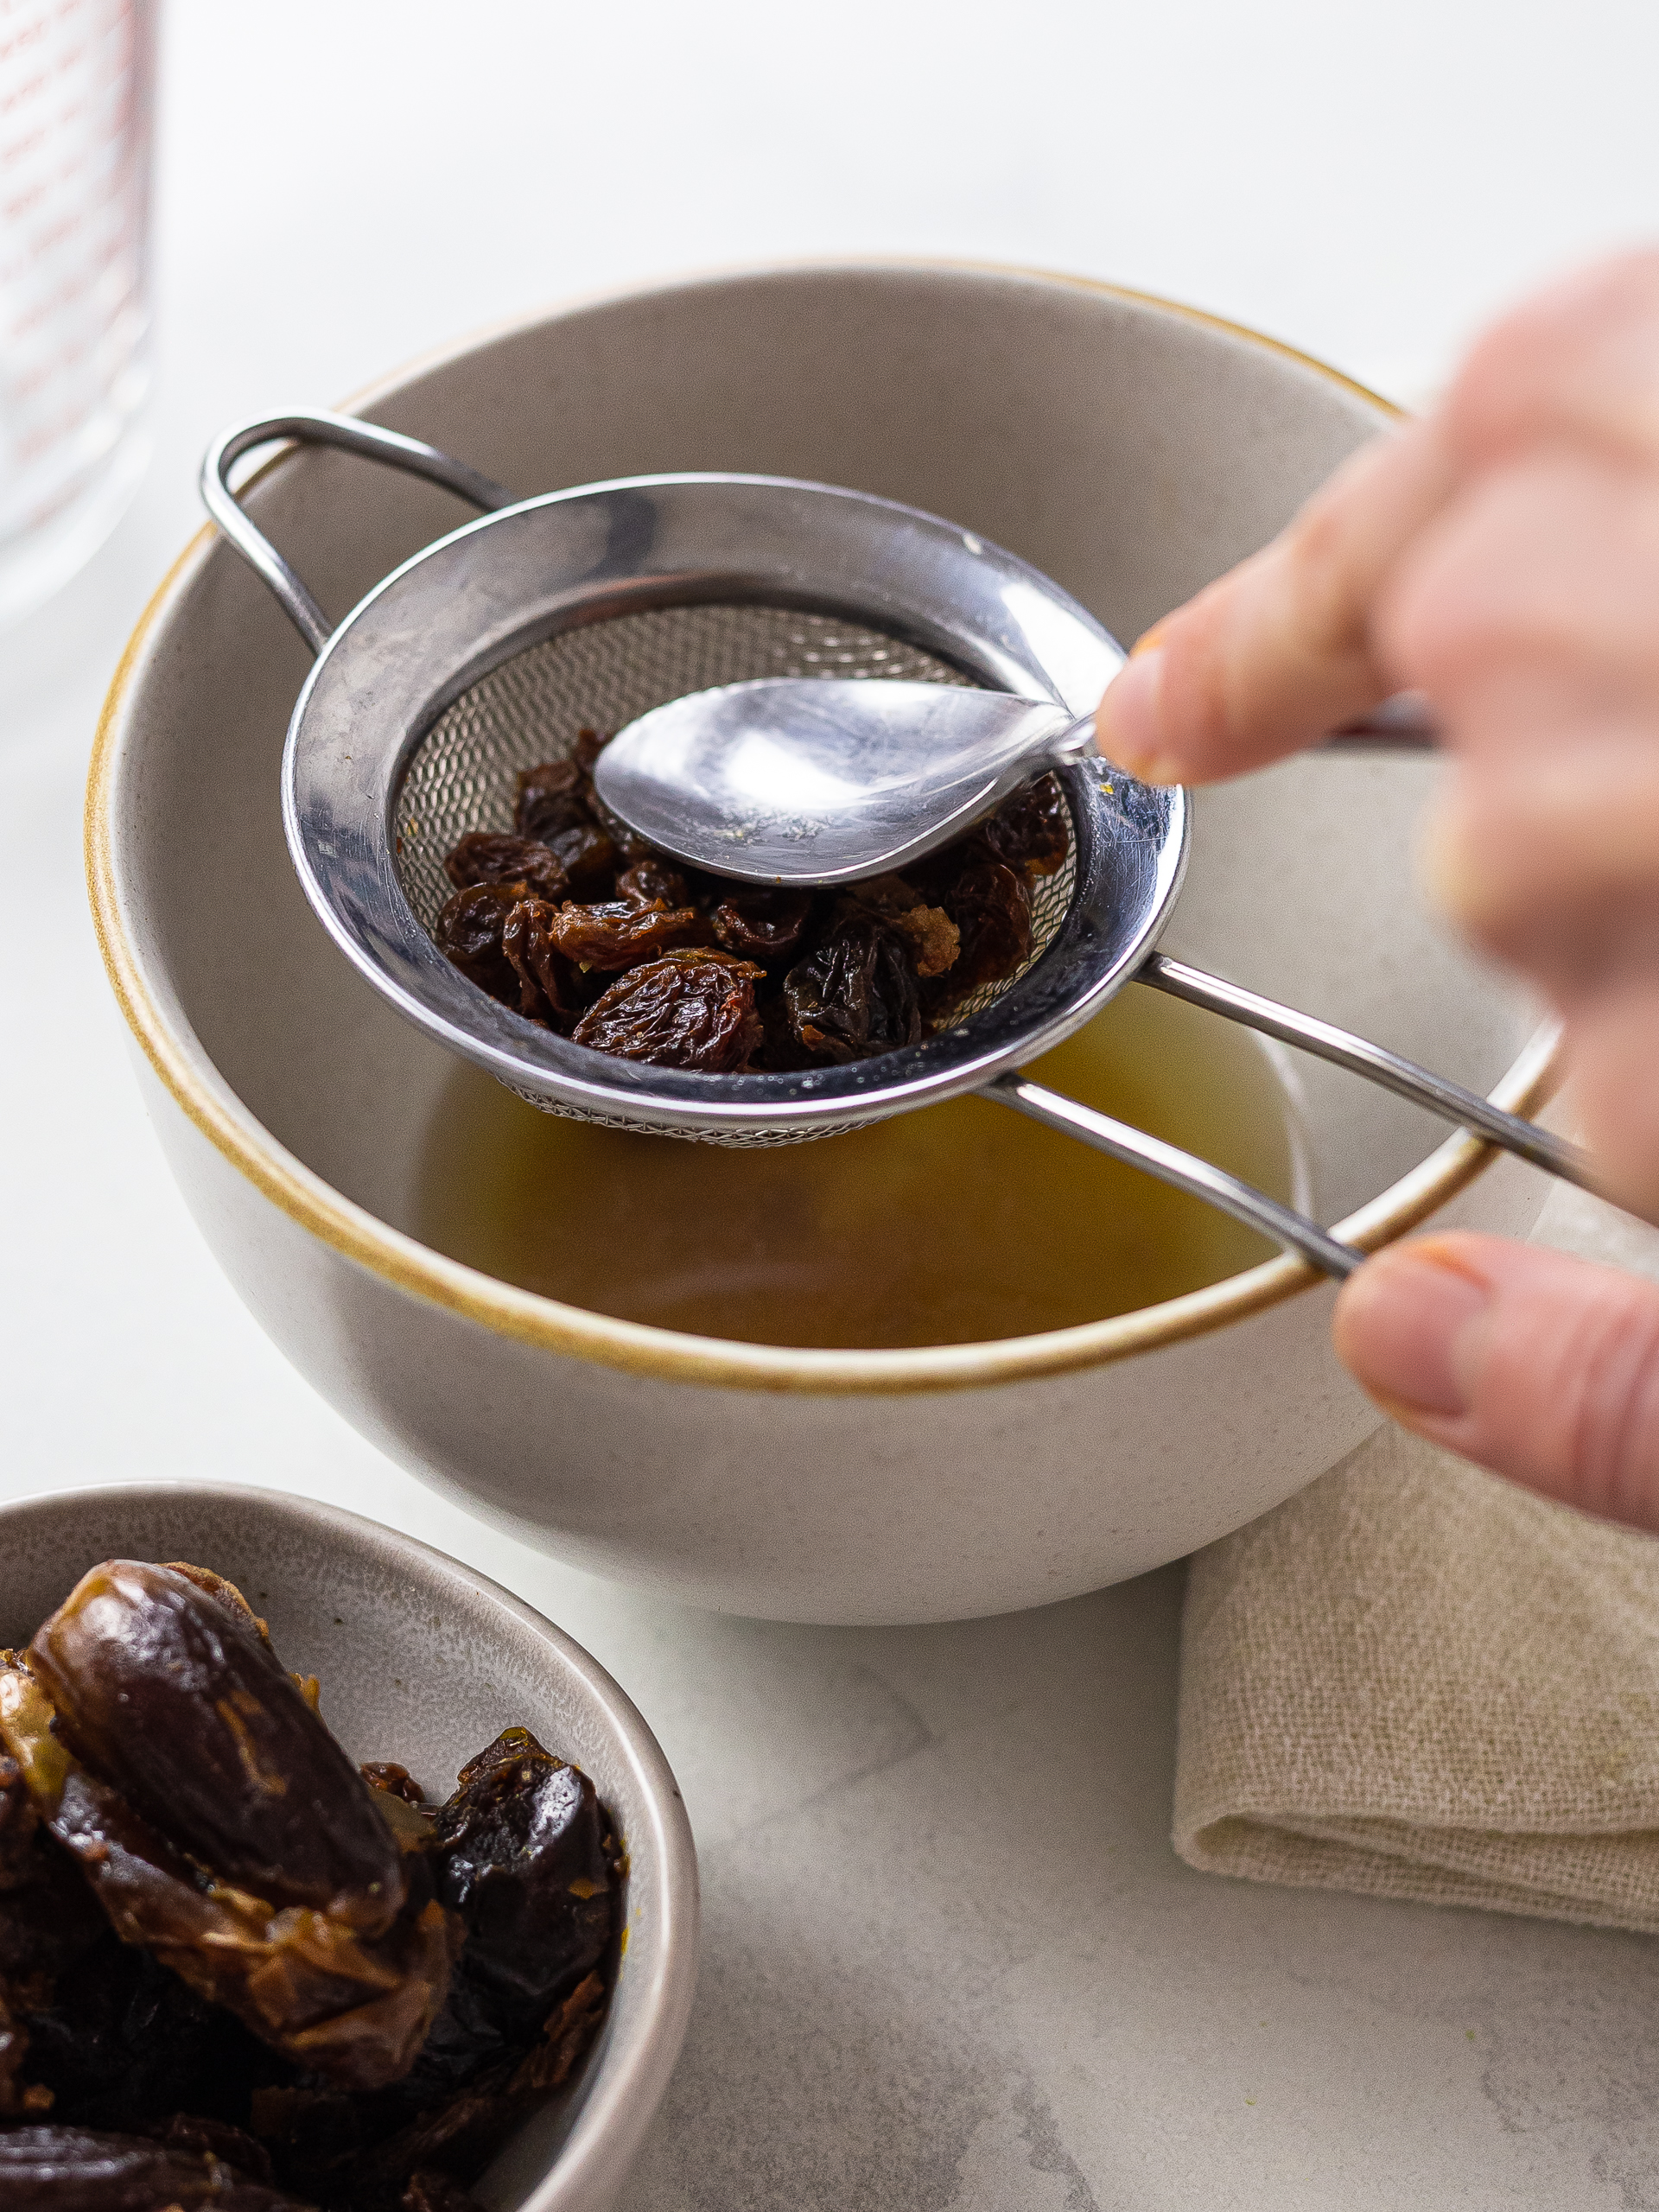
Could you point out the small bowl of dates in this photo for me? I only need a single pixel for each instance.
(332, 1878)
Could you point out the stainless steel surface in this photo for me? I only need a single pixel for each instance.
(794, 780)
(1377, 1063)
(1171, 1164)
(712, 560)
(781, 781)
(489, 650)
(318, 428)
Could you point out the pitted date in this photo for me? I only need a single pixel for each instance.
(394, 1781)
(237, 1970)
(48, 1924)
(434, 2192)
(693, 1009)
(122, 2041)
(453, 2139)
(19, 1826)
(340, 1958)
(46, 2169)
(527, 1859)
(158, 1689)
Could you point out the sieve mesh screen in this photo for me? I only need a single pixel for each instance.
(460, 775)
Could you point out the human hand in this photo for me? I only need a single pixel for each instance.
(1501, 557)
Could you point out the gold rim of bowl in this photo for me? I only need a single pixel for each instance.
(572, 1332)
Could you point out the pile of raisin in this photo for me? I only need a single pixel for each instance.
(582, 927)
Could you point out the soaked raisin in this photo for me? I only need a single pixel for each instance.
(652, 882)
(690, 1009)
(551, 797)
(1032, 828)
(588, 856)
(548, 989)
(930, 932)
(856, 993)
(869, 960)
(761, 925)
(469, 932)
(588, 747)
(991, 908)
(484, 857)
(615, 935)
(780, 1050)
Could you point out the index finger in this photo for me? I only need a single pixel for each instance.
(1279, 650)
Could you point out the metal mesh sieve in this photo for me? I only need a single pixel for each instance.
(459, 776)
(369, 828)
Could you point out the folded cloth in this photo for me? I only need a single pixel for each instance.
(1414, 1679)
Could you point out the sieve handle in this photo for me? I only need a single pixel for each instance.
(1184, 1169)
(1360, 1057)
(351, 437)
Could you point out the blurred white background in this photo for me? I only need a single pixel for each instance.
(342, 184)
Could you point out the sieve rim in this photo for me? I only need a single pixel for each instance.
(488, 590)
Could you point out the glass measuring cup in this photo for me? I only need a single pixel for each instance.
(76, 96)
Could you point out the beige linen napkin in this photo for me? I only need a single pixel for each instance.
(1414, 1679)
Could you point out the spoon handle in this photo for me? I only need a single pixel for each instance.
(1360, 1057)
(1072, 742)
(1171, 1164)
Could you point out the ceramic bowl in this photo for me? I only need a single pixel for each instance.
(423, 1661)
(1130, 448)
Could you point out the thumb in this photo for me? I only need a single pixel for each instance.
(1543, 1368)
(1270, 656)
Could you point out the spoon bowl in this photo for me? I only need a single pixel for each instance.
(826, 780)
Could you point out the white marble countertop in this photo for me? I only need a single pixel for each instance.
(951, 1960)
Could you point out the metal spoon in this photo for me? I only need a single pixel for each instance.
(824, 780)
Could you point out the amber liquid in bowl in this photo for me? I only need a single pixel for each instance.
(956, 1225)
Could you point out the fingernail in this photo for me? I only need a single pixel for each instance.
(1407, 1326)
(1127, 724)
